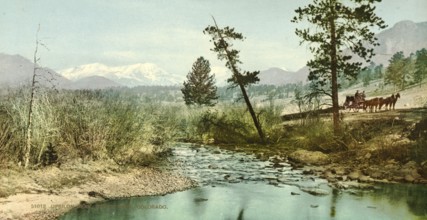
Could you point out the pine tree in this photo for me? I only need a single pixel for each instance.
(200, 86)
(420, 66)
(337, 27)
(395, 72)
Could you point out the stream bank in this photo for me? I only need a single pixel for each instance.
(49, 192)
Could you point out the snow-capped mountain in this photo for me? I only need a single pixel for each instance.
(130, 75)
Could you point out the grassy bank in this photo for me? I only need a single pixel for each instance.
(90, 125)
(130, 127)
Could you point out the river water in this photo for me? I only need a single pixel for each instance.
(239, 186)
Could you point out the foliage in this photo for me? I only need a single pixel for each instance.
(200, 87)
(230, 125)
(222, 39)
(91, 125)
(222, 128)
(396, 72)
(314, 135)
(49, 156)
(419, 135)
(420, 66)
(337, 27)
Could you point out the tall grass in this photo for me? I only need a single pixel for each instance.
(88, 124)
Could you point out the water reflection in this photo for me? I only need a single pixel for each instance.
(334, 199)
(240, 216)
(260, 201)
(251, 197)
(415, 197)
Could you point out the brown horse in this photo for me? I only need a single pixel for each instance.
(388, 102)
(372, 104)
(394, 100)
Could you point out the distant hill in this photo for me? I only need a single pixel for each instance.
(93, 82)
(406, 36)
(276, 76)
(16, 70)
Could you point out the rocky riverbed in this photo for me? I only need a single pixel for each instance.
(336, 171)
(49, 192)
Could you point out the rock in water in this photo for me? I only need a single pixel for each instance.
(315, 191)
(200, 200)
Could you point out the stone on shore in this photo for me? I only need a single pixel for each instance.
(309, 157)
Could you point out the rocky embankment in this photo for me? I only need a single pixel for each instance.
(49, 192)
(390, 148)
(338, 170)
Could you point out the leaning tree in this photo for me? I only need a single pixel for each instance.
(222, 38)
(338, 30)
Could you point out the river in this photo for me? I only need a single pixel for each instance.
(239, 186)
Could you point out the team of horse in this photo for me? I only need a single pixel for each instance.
(375, 104)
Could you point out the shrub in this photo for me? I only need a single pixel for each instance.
(316, 135)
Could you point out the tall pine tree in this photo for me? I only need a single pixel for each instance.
(200, 86)
(337, 26)
(395, 72)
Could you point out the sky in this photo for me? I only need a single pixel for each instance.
(166, 33)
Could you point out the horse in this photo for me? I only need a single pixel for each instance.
(393, 103)
(371, 104)
(387, 102)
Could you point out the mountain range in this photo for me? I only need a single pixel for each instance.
(17, 70)
(141, 74)
(405, 36)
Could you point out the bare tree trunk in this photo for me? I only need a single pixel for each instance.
(247, 101)
(334, 66)
(30, 109)
(252, 112)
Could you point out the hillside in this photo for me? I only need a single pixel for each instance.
(276, 76)
(406, 36)
(16, 70)
(93, 82)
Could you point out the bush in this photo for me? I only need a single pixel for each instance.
(419, 135)
(222, 128)
(316, 135)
